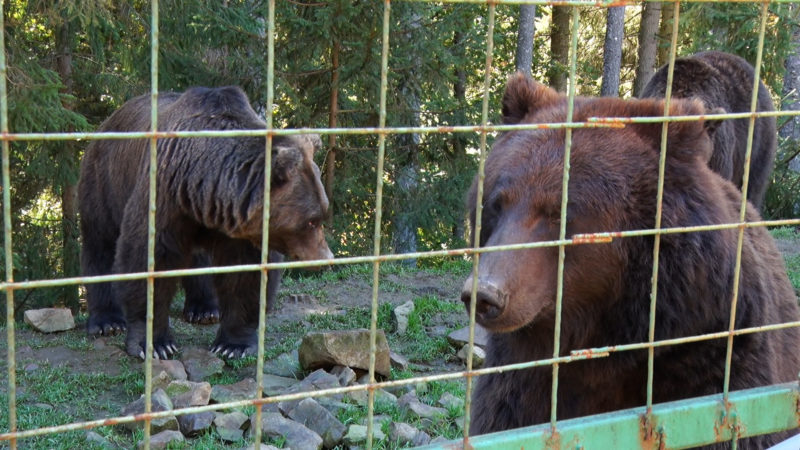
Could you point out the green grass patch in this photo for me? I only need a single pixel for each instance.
(785, 233)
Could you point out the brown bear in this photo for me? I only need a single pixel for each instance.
(209, 202)
(724, 83)
(612, 187)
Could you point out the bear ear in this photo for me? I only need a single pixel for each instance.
(685, 140)
(713, 124)
(523, 96)
(309, 143)
(284, 161)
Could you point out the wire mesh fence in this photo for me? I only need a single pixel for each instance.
(725, 417)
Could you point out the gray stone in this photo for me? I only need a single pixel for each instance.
(412, 403)
(314, 416)
(398, 361)
(439, 440)
(261, 447)
(159, 402)
(450, 401)
(184, 393)
(161, 440)
(196, 423)
(50, 320)
(285, 365)
(400, 316)
(315, 381)
(460, 337)
(406, 435)
(381, 396)
(357, 434)
(345, 374)
(298, 436)
(243, 390)
(275, 385)
(201, 364)
(478, 356)
(230, 427)
(97, 438)
(173, 368)
(344, 348)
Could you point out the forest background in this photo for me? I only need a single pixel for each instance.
(71, 63)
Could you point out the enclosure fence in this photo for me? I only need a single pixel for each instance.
(728, 416)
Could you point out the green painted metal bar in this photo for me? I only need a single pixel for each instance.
(487, 80)
(659, 209)
(601, 3)
(8, 249)
(679, 424)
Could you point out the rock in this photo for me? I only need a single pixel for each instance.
(31, 367)
(297, 436)
(243, 390)
(159, 402)
(93, 436)
(201, 364)
(344, 348)
(439, 440)
(173, 368)
(230, 427)
(407, 436)
(400, 316)
(357, 434)
(302, 298)
(411, 402)
(451, 402)
(345, 374)
(160, 381)
(261, 447)
(185, 393)
(314, 416)
(194, 424)
(460, 337)
(398, 361)
(50, 320)
(285, 365)
(163, 439)
(381, 396)
(478, 356)
(275, 385)
(315, 381)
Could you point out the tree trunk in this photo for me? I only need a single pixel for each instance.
(330, 162)
(527, 28)
(791, 91)
(69, 186)
(559, 48)
(648, 45)
(612, 51)
(459, 140)
(665, 32)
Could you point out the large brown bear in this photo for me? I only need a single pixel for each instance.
(612, 187)
(209, 210)
(724, 83)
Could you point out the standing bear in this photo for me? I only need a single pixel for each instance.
(209, 210)
(724, 83)
(606, 287)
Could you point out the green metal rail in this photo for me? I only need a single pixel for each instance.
(718, 418)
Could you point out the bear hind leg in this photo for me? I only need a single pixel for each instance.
(105, 314)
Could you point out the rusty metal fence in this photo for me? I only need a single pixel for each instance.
(724, 417)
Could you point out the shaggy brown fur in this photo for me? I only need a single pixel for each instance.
(209, 197)
(612, 186)
(725, 82)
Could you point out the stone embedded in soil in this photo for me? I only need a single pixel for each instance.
(231, 426)
(460, 337)
(194, 424)
(400, 316)
(345, 374)
(450, 401)
(201, 363)
(162, 439)
(478, 356)
(344, 348)
(275, 385)
(261, 447)
(357, 434)
(319, 420)
(315, 381)
(172, 367)
(184, 393)
(50, 320)
(297, 436)
(159, 402)
(381, 396)
(97, 438)
(406, 435)
(412, 403)
(398, 361)
(285, 365)
(243, 390)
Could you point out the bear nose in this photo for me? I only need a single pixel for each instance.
(489, 301)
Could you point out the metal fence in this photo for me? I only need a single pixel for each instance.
(724, 417)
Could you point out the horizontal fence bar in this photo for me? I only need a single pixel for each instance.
(602, 4)
(578, 239)
(679, 424)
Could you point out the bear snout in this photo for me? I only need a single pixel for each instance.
(490, 301)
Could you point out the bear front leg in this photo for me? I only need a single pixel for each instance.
(201, 305)
(97, 258)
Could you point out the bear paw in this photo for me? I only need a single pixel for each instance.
(163, 346)
(103, 325)
(228, 350)
(200, 314)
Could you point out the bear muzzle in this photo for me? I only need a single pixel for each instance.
(490, 301)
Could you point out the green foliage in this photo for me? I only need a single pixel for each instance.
(783, 194)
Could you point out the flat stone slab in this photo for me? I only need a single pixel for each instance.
(460, 337)
(344, 348)
(50, 320)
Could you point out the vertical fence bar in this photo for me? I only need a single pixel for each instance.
(487, 81)
(659, 212)
(262, 299)
(151, 222)
(376, 239)
(7, 247)
(562, 232)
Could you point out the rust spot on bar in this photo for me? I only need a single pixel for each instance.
(595, 238)
(554, 440)
(649, 437)
(589, 353)
(724, 423)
